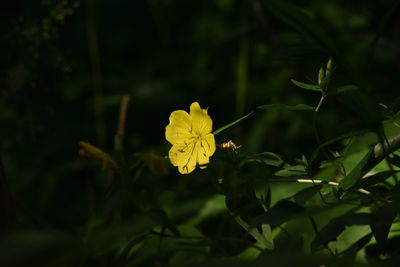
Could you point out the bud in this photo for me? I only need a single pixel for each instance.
(321, 75)
(329, 67)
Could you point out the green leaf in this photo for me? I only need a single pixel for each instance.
(285, 107)
(375, 178)
(395, 160)
(358, 245)
(283, 211)
(267, 158)
(357, 173)
(264, 236)
(212, 207)
(292, 171)
(335, 227)
(383, 219)
(286, 210)
(223, 128)
(304, 195)
(307, 86)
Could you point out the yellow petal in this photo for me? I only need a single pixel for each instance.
(184, 156)
(208, 143)
(179, 128)
(201, 122)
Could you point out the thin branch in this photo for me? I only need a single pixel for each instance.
(313, 181)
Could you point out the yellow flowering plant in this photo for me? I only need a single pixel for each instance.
(191, 138)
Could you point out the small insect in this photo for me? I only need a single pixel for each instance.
(229, 145)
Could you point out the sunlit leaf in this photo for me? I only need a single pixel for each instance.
(264, 236)
(357, 246)
(335, 227)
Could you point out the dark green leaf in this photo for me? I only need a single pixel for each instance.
(283, 211)
(304, 195)
(356, 174)
(285, 107)
(383, 219)
(267, 158)
(292, 171)
(395, 160)
(307, 86)
(335, 227)
(286, 210)
(375, 178)
(358, 245)
(264, 236)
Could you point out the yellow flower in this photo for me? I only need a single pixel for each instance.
(191, 138)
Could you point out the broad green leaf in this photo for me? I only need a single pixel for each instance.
(357, 173)
(335, 227)
(307, 86)
(285, 107)
(223, 128)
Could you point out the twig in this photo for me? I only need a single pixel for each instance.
(122, 115)
(313, 181)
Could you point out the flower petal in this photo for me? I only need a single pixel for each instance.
(179, 128)
(184, 156)
(208, 142)
(201, 122)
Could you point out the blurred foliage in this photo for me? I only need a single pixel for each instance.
(311, 171)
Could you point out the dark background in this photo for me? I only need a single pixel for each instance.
(60, 58)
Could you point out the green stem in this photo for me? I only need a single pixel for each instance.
(320, 102)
